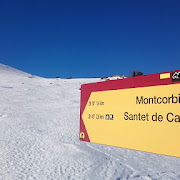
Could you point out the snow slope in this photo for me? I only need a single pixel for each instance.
(39, 128)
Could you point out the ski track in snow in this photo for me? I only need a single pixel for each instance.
(39, 122)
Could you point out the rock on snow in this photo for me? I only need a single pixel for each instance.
(39, 129)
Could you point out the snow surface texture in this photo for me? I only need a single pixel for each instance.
(39, 136)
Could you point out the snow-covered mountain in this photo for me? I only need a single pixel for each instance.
(6, 70)
(39, 129)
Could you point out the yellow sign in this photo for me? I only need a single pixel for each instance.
(165, 75)
(143, 118)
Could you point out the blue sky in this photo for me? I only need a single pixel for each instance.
(90, 38)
